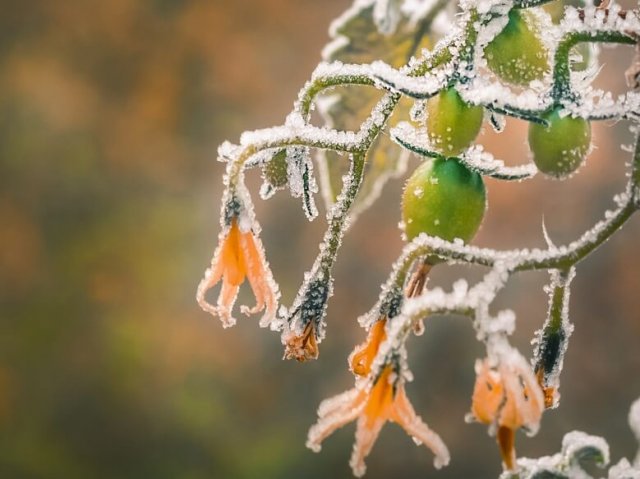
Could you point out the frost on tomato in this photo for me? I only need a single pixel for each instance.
(517, 54)
(559, 149)
(452, 124)
(443, 198)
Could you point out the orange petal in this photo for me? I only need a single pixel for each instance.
(260, 279)
(334, 413)
(525, 401)
(362, 357)
(232, 257)
(226, 264)
(488, 394)
(405, 416)
(226, 300)
(367, 432)
(380, 398)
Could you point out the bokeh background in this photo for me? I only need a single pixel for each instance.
(110, 115)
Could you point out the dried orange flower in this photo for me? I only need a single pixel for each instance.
(507, 397)
(239, 255)
(373, 405)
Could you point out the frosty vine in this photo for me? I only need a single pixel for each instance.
(530, 59)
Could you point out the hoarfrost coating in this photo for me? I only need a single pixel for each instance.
(378, 48)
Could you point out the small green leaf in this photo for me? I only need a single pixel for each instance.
(290, 167)
(274, 173)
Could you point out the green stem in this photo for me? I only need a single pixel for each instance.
(524, 260)
(318, 85)
(340, 212)
(558, 301)
(561, 89)
(311, 301)
(529, 3)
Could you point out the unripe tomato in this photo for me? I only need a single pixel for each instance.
(517, 54)
(452, 124)
(560, 148)
(443, 198)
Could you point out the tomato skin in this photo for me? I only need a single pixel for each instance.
(559, 149)
(517, 54)
(452, 124)
(443, 198)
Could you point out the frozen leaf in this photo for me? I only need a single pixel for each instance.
(356, 39)
(274, 173)
(302, 183)
(387, 15)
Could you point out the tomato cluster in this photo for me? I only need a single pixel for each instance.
(443, 197)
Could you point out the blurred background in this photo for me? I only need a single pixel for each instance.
(110, 115)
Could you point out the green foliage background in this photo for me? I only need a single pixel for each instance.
(110, 115)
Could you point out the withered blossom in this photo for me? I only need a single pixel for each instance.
(373, 405)
(239, 255)
(507, 396)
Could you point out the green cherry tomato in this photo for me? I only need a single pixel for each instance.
(443, 198)
(559, 149)
(517, 54)
(452, 124)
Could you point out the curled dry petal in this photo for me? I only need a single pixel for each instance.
(372, 406)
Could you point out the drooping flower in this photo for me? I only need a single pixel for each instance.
(373, 403)
(507, 396)
(239, 255)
